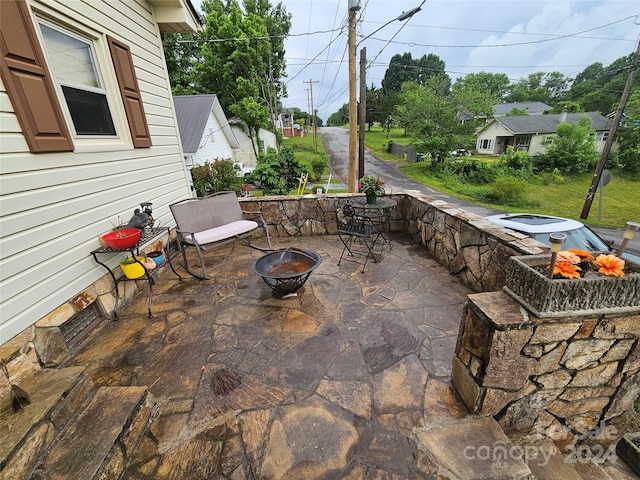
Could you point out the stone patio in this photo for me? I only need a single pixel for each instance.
(349, 379)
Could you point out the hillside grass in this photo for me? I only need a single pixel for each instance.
(620, 198)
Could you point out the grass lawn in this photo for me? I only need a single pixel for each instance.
(620, 198)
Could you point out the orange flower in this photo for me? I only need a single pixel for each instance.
(584, 256)
(566, 269)
(610, 265)
(568, 256)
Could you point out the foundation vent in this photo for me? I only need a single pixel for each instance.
(82, 324)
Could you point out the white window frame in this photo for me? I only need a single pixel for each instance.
(104, 70)
(485, 144)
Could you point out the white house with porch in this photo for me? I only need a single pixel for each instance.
(528, 132)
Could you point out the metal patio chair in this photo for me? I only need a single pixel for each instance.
(359, 234)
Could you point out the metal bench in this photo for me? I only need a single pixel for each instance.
(206, 223)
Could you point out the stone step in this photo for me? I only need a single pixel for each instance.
(477, 447)
(101, 441)
(56, 396)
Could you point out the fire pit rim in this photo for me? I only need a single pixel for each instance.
(288, 283)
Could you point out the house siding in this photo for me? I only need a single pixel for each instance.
(55, 205)
(219, 149)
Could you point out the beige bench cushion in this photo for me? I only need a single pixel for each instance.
(223, 232)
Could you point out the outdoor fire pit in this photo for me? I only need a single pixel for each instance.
(286, 271)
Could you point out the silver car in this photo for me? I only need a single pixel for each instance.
(536, 226)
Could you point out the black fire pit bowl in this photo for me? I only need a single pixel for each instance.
(285, 271)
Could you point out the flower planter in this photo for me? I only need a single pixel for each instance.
(629, 450)
(545, 297)
(133, 270)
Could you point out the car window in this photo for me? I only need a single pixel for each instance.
(580, 238)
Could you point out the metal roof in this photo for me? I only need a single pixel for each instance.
(192, 113)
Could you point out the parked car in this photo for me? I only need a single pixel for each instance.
(243, 170)
(537, 226)
(460, 152)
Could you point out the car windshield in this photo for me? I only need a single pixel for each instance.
(580, 238)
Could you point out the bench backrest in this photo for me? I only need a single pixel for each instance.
(202, 213)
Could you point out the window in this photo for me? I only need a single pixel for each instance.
(522, 140)
(71, 68)
(72, 60)
(485, 144)
(602, 136)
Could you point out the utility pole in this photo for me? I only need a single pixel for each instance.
(313, 116)
(612, 132)
(362, 110)
(354, 6)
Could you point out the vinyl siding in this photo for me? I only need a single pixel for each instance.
(55, 205)
(219, 149)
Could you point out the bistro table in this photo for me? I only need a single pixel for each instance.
(379, 211)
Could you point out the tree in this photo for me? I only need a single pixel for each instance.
(278, 172)
(628, 154)
(539, 87)
(403, 68)
(428, 114)
(380, 106)
(494, 85)
(517, 112)
(572, 149)
(341, 117)
(239, 57)
(597, 88)
(182, 53)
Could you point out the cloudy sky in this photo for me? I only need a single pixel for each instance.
(515, 37)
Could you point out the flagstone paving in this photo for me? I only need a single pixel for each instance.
(328, 384)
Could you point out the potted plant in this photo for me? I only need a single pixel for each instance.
(133, 267)
(372, 187)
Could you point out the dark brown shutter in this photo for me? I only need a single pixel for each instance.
(123, 64)
(28, 81)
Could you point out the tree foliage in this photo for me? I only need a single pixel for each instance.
(216, 176)
(239, 56)
(278, 172)
(403, 68)
(571, 150)
(428, 114)
(546, 87)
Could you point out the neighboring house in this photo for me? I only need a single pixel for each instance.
(207, 135)
(289, 129)
(88, 133)
(205, 132)
(532, 108)
(527, 133)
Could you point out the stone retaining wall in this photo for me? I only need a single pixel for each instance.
(470, 247)
(534, 375)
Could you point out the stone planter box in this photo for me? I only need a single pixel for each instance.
(629, 450)
(545, 297)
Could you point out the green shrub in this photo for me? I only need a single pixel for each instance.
(317, 166)
(509, 191)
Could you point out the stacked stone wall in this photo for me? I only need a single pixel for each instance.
(567, 374)
(470, 247)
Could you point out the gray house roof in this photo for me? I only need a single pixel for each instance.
(192, 113)
(536, 124)
(533, 108)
